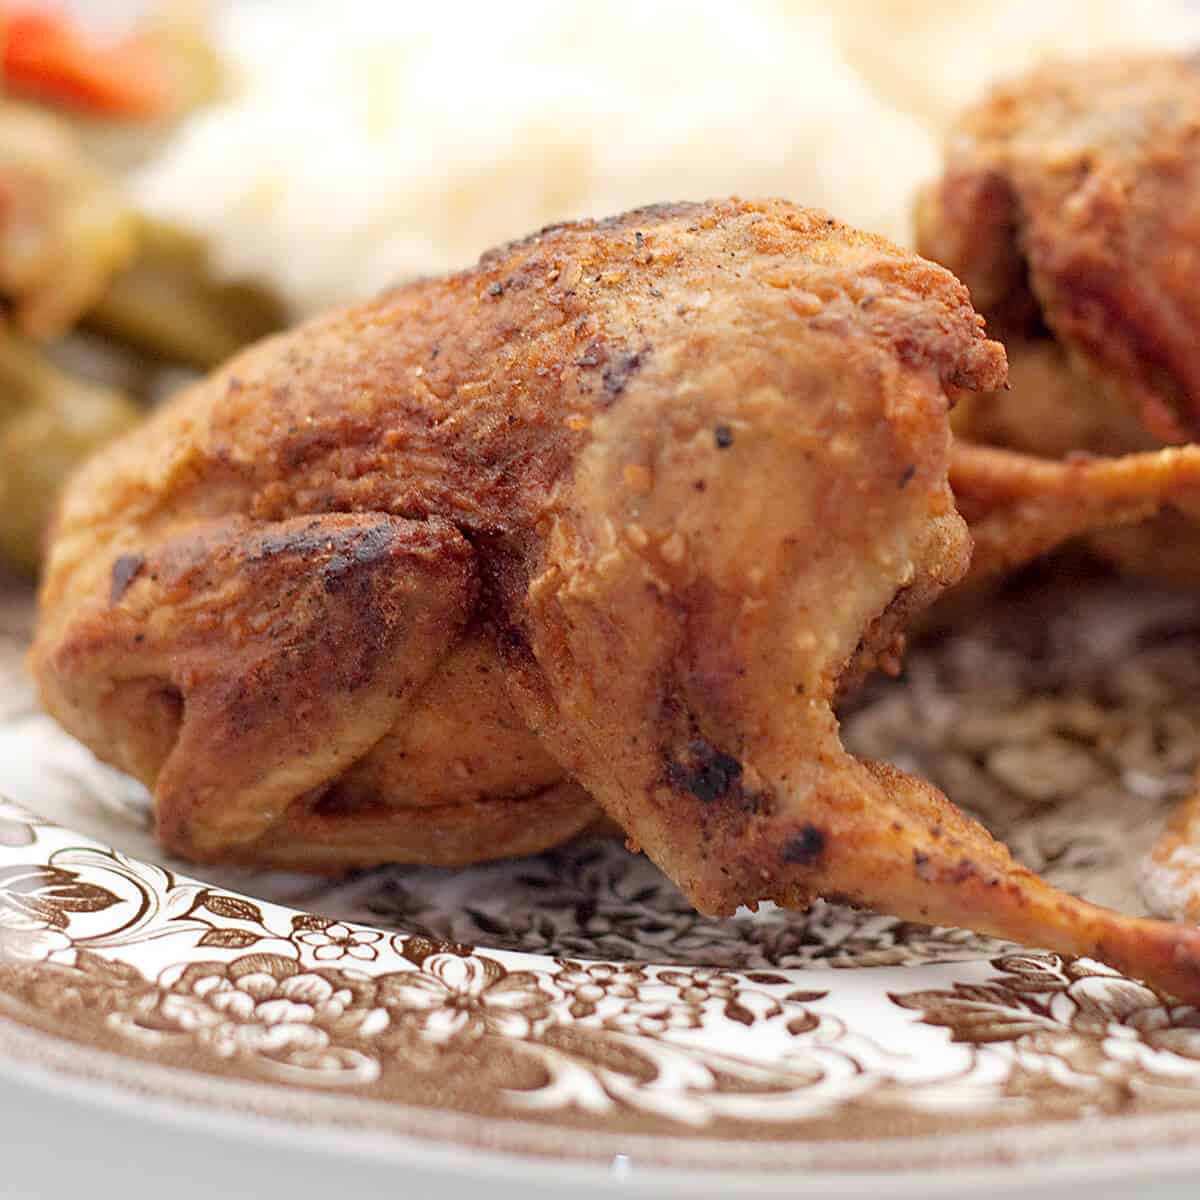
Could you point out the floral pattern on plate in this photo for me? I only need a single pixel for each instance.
(112, 952)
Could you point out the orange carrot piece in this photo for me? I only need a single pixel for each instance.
(46, 58)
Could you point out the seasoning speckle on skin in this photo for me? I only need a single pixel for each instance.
(620, 368)
(125, 570)
(906, 476)
(804, 849)
(618, 365)
(965, 870)
(723, 436)
(921, 864)
(496, 289)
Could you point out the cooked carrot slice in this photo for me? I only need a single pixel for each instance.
(45, 57)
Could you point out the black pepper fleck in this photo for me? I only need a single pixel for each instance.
(723, 436)
(616, 375)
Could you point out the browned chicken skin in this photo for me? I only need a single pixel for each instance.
(613, 515)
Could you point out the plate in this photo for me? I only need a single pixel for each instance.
(571, 1009)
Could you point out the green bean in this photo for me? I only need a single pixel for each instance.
(49, 422)
(167, 303)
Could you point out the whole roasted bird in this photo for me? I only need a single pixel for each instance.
(605, 523)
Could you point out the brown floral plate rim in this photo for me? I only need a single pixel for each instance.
(921, 1166)
(116, 973)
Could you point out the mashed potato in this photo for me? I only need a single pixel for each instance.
(929, 58)
(371, 142)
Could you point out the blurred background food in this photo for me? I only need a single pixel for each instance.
(103, 304)
(178, 178)
(382, 140)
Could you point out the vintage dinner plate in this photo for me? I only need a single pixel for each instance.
(571, 1012)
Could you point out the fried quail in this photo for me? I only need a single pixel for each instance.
(604, 523)
(1070, 206)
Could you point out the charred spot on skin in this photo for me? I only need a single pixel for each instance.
(708, 774)
(347, 549)
(723, 437)
(805, 848)
(647, 214)
(906, 476)
(365, 551)
(921, 865)
(125, 570)
(304, 543)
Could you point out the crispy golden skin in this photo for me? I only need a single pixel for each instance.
(613, 515)
(1020, 506)
(1070, 206)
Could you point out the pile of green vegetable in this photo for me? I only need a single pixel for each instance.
(100, 307)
